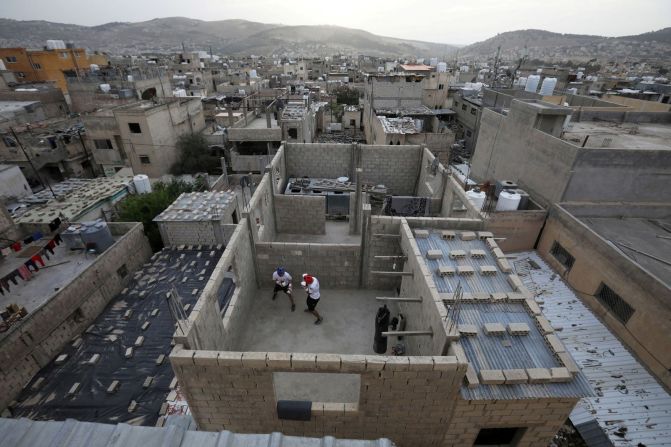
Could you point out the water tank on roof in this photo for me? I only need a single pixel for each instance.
(524, 198)
(105, 88)
(97, 235)
(521, 81)
(532, 83)
(55, 45)
(502, 185)
(441, 67)
(142, 184)
(548, 87)
(508, 201)
(477, 198)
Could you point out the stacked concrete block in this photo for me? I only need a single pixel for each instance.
(515, 376)
(408, 398)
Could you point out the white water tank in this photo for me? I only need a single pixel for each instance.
(105, 88)
(521, 81)
(548, 87)
(441, 67)
(508, 201)
(252, 74)
(142, 184)
(477, 198)
(532, 83)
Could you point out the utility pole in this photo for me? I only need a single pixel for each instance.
(86, 152)
(37, 174)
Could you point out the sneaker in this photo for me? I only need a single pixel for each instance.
(293, 307)
(319, 321)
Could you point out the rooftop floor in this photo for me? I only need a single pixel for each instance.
(111, 334)
(261, 123)
(348, 327)
(619, 135)
(626, 393)
(641, 234)
(62, 267)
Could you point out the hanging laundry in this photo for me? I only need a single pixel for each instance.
(28, 240)
(12, 277)
(58, 239)
(6, 251)
(5, 284)
(55, 224)
(38, 259)
(46, 254)
(16, 246)
(38, 235)
(50, 246)
(30, 263)
(24, 273)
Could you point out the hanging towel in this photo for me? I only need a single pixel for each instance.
(38, 259)
(12, 277)
(5, 284)
(58, 239)
(50, 246)
(16, 246)
(24, 273)
(55, 224)
(38, 235)
(28, 240)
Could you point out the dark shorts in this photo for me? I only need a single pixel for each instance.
(284, 289)
(311, 303)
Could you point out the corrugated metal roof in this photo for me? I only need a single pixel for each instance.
(511, 352)
(71, 433)
(627, 394)
(471, 283)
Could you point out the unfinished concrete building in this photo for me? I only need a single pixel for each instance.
(480, 362)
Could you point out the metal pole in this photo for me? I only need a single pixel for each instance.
(86, 152)
(37, 174)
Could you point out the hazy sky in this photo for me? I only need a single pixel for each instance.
(446, 21)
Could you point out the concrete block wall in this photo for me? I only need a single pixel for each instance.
(382, 246)
(406, 399)
(30, 345)
(278, 167)
(542, 419)
(519, 228)
(300, 214)
(189, 233)
(335, 265)
(318, 160)
(396, 167)
(431, 313)
(207, 328)
(262, 210)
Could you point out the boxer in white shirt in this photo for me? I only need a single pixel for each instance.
(282, 281)
(311, 286)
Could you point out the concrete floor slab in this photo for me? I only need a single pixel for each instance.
(348, 326)
(337, 232)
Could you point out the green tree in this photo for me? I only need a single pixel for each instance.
(194, 156)
(346, 95)
(145, 207)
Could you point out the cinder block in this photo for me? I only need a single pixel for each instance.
(129, 353)
(421, 234)
(254, 360)
(488, 270)
(132, 407)
(498, 253)
(113, 387)
(330, 362)
(434, 254)
(515, 376)
(77, 342)
(303, 361)
(471, 377)
(146, 325)
(533, 306)
(457, 254)
(555, 343)
(159, 359)
(482, 235)
(278, 360)
(73, 389)
(465, 270)
(499, 296)
(468, 329)
(147, 382)
(468, 236)
(494, 329)
(94, 359)
(445, 270)
(560, 375)
(37, 384)
(61, 359)
(491, 244)
(139, 341)
(478, 254)
(492, 377)
(173, 383)
(518, 329)
(448, 235)
(504, 265)
(538, 375)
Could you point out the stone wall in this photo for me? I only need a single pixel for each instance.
(520, 228)
(300, 214)
(335, 265)
(406, 399)
(381, 238)
(30, 345)
(318, 160)
(542, 419)
(263, 211)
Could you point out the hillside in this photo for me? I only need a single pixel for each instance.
(227, 36)
(548, 46)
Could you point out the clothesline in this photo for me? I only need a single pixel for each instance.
(54, 225)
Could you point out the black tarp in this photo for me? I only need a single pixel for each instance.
(111, 334)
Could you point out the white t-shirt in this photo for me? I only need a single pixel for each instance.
(283, 280)
(313, 289)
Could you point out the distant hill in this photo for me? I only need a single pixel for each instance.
(548, 46)
(227, 36)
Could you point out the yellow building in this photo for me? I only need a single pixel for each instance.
(48, 65)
